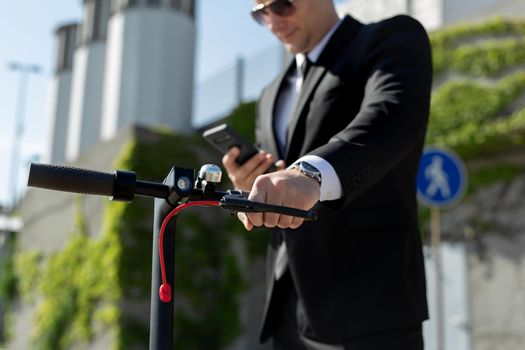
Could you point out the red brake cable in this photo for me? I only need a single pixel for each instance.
(165, 288)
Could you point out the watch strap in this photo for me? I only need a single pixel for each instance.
(307, 170)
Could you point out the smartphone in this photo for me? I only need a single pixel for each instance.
(223, 137)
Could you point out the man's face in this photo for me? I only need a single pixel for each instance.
(298, 31)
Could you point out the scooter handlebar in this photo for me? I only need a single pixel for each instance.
(70, 179)
(122, 185)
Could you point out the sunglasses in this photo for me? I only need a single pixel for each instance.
(281, 8)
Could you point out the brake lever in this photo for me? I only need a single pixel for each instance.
(236, 202)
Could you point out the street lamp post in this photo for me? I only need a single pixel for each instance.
(24, 70)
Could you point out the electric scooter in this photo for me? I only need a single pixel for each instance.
(179, 190)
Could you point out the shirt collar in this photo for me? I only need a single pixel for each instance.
(314, 54)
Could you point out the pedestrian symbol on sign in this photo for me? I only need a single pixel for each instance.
(438, 178)
(441, 178)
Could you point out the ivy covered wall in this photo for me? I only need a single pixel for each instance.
(478, 104)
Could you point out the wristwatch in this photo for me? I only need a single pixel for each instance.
(308, 170)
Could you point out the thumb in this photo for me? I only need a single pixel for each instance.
(246, 222)
(280, 164)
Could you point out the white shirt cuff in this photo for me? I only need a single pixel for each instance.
(331, 188)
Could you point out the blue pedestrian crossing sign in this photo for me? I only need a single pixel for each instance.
(441, 178)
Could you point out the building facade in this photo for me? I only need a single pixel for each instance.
(128, 62)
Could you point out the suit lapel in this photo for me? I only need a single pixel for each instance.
(268, 131)
(329, 56)
(313, 77)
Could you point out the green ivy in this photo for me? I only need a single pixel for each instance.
(76, 287)
(465, 105)
(488, 57)
(210, 320)
(8, 284)
(475, 140)
(8, 280)
(242, 119)
(498, 27)
(486, 176)
(28, 273)
(470, 117)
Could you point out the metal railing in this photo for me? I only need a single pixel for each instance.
(239, 82)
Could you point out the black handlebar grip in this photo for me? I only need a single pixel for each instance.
(70, 179)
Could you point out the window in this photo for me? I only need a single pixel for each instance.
(96, 34)
(66, 37)
(94, 26)
(186, 6)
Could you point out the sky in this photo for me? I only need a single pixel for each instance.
(225, 31)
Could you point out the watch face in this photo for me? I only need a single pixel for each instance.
(309, 167)
(310, 171)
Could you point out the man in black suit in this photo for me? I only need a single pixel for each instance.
(349, 116)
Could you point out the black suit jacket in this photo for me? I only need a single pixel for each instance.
(364, 108)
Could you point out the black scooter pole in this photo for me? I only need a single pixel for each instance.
(161, 318)
(181, 183)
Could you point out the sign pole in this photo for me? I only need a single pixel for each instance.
(441, 182)
(435, 237)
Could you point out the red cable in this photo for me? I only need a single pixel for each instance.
(165, 288)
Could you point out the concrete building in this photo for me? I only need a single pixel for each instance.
(88, 79)
(128, 62)
(60, 94)
(150, 65)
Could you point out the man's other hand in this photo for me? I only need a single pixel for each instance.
(243, 176)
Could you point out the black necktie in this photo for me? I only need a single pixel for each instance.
(306, 67)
